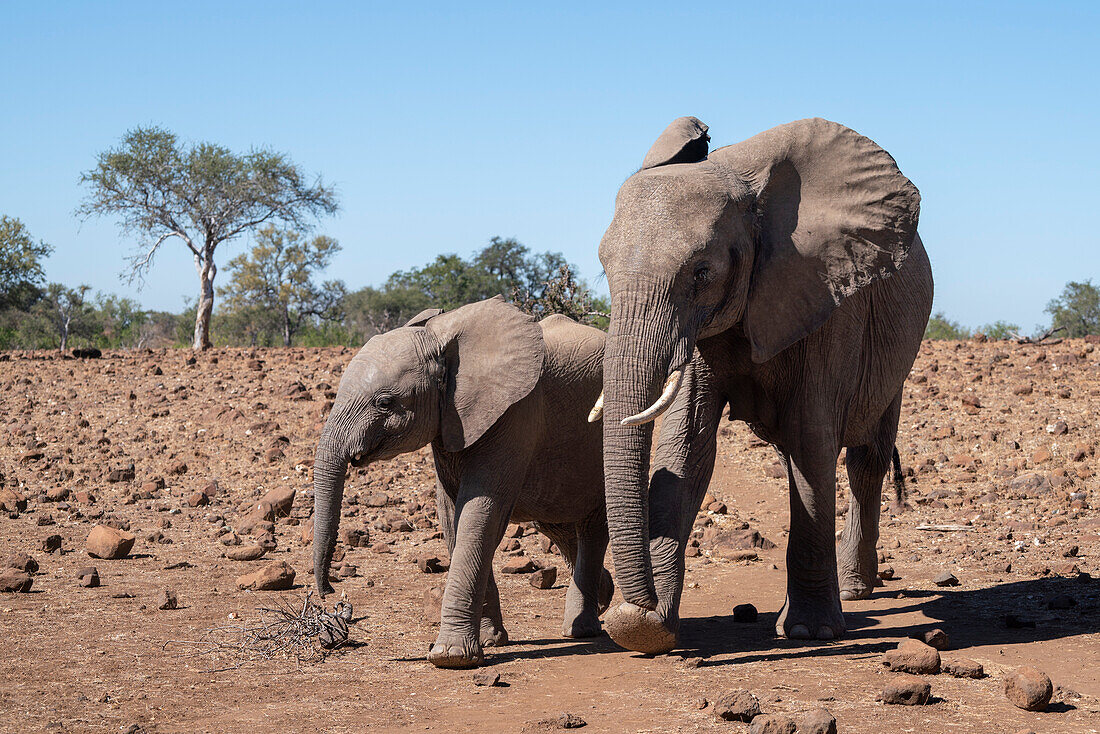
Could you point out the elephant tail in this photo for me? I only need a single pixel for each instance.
(899, 481)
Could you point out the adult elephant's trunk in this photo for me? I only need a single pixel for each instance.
(329, 469)
(644, 345)
(636, 367)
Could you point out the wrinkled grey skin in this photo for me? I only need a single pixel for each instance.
(785, 275)
(502, 400)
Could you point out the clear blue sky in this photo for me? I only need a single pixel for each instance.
(442, 126)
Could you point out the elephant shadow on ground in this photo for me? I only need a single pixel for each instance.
(1032, 610)
(1011, 613)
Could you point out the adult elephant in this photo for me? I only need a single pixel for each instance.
(782, 276)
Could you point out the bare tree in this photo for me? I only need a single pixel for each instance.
(201, 194)
(67, 310)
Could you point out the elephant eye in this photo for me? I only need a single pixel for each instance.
(702, 275)
(385, 402)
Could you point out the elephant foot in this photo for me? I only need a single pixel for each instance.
(858, 570)
(585, 624)
(493, 634)
(455, 651)
(811, 619)
(639, 629)
(852, 589)
(606, 591)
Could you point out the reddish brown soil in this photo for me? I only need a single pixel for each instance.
(80, 659)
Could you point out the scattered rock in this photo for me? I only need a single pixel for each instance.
(520, 564)
(121, 474)
(936, 638)
(571, 721)
(1028, 688)
(88, 577)
(431, 564)
(907, 690)
(13, 580)
(963, 668)
(376, 499)
(109, 543)
(486, 678)
(1041, 456)
(737, 705)
(946, 579)
(166, 599)
(744, 613)
(544, 578)
(280, 499)
(197, 499)
(245, 553)
(51, 543)
(22, 562)
(818, 721)
(57, 494)
(772, 724)
(273, 577)
(354, 537)
(913, 656)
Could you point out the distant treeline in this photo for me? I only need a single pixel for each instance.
(1073, 314)
(273, 298)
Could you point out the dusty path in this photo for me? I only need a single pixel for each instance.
(80, 659)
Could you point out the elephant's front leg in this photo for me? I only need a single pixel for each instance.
(480, 520)
(492, 633)
(812, 608)
(683, 463)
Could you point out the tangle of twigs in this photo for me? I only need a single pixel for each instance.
(305, 635)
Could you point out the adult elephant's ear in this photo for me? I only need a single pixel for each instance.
(684, 141)
(493, 356)
(422, 318)
(834, 214)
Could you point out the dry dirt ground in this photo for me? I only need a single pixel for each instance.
(1000, 441)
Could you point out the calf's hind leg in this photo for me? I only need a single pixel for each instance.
(591, 588)
(582, 547)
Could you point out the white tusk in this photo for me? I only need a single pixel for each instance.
(597, 410)
(672, 386)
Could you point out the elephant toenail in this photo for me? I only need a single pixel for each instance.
(799, 632)
(826, 633)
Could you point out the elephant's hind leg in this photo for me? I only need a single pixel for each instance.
(591, 588)
(570, 543)
(867, 466)
(493, 633)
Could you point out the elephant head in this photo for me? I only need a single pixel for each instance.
(762, 239)
(446, 376)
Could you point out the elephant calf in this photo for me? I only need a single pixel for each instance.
(502, 399)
